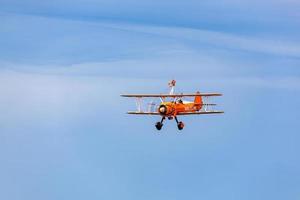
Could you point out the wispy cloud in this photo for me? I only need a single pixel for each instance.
(128, 50)
(63, 41)
(198, 38)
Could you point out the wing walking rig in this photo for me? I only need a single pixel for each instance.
(175, 105)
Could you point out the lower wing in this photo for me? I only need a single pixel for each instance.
(142, 113)
(181, 113)
(201, 112)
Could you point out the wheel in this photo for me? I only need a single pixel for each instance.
(180, 125)
(158, 125)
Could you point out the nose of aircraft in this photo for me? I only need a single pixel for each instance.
(162, 109)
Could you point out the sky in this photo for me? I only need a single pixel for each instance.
(64, 133)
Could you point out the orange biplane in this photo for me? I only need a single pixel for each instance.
(175, 107)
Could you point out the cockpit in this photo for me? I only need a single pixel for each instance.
(179, 101)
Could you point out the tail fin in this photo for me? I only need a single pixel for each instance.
(198, 101)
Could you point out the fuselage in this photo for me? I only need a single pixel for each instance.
(173, 108)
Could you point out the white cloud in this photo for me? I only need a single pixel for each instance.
(71, 41)
(270, 45)
(276, 83)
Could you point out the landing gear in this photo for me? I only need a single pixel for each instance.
(160, 124)
(180, 125)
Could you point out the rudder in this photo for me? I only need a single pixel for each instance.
(198, 101)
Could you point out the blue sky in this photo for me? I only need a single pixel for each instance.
(63, 131)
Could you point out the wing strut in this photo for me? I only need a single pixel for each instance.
(139, 104)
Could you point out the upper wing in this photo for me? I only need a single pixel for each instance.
(201, 112)
(171, 95)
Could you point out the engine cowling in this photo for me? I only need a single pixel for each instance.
(165, 110)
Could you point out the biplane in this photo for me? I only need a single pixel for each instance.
(172, 105)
